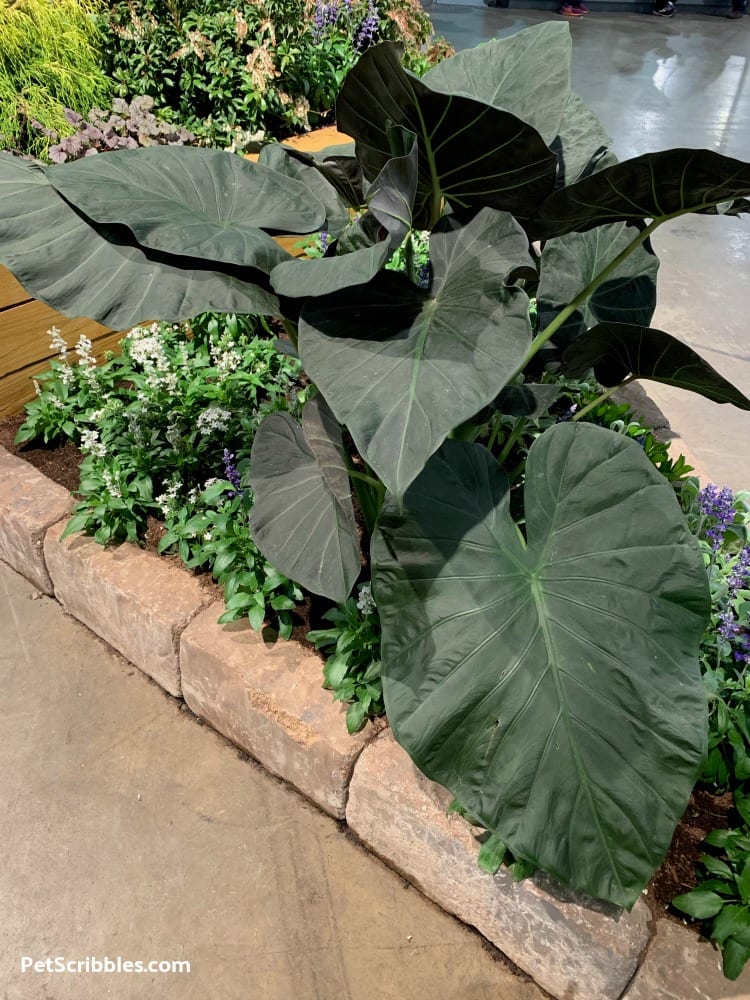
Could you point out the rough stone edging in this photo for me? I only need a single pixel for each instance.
(269, 702)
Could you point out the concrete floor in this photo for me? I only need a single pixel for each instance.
(657, 84)
(130, 830)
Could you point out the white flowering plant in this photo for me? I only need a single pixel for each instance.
(352, 670)
(165, 428)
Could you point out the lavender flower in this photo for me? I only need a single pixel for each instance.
(326, 15)
(718, 506)
(740, 574)
(325, 240)
(368, 29)
(231, 472)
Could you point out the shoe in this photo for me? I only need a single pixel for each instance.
(668, 10)
(570, 11)
(735, 14)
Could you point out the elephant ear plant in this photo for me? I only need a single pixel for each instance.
(540, 630)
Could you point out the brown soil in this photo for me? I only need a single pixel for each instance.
(58, 462)
(705, 812)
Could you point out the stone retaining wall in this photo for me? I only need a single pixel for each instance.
(268, 700)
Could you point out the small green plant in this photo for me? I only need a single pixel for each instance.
(213, 530)
(155, 424)
(49, 61)
(722, 898)
(352, 668)
(721, 522)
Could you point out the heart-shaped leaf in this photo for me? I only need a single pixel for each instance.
(390, 201)
(528, 400)
(581, 144)
(279, 159)
(402, 367)
(616, 350)
(657, 186)
(569, 263)
(469, 152)
(193, 202)
(83, 270)
(553, 686)
(302, 518)
(527, 73)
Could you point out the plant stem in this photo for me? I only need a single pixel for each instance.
(601, 398)
(409, 258)
(551, 329)
(363, 477)
(291, 331)
(514, 435)
(370, 494)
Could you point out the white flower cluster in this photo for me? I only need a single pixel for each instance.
(58, 343)
(112, 484)
(213, 419)
(86, 362)
(91, 443)
(366, 602)
(225, 356)
(146, 348)
(169, 500)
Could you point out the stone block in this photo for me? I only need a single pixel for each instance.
(268, 699)
(29, 504)
(576, 949)
(680, 965)
(134, 600)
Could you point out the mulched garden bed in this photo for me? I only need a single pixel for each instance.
(705, 811)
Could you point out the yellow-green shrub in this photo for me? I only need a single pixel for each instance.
(49, 60)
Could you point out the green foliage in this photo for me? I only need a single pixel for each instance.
(721, 521)
(157, 423)
(212, 530)
(352, 670)
(723, 896)
(49, 61)
(541, 624)
(230, 73)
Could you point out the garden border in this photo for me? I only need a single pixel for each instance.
(268, 700)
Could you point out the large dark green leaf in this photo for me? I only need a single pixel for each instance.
(82, 270)
(569, 263)
(339, 166)
(616, 350)
(656, 186)
(390, 200)
(402, 367)
(553, 686)
(469, 152)
(302, 518)
(581, 143)
(527, 73)
(194, 202)
(280, 159)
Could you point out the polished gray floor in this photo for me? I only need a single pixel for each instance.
(656, 84)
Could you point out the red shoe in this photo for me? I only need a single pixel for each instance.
(570, 11)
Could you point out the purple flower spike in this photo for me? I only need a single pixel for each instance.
(231, 472)
(368, 29)
(718, 505)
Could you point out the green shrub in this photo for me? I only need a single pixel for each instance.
(270, 67)
(49, 61)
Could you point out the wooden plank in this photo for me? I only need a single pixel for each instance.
(18, 388)
(12, 292)
(23, 334)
